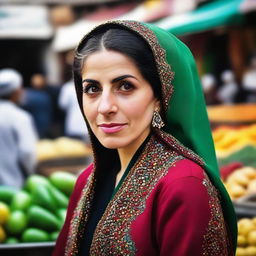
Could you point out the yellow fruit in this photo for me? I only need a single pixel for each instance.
(68, 147)
(236, 190)
(228, 140)
(240, 251)
(219, 134)
(250, 251)
(245, 226)
(4, 213)
(241, 240)
(252, 238)
(249, 171)
(252, 187)
(252, 132)
(46, 150)
(254, 221)
(2, 235)
(240, 178)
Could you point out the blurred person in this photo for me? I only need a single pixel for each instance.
(74, 122)
(249, 81)
(209, 88)
(229, 89)
(18, 136)
(37, 101)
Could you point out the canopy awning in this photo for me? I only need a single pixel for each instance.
(211, 15)
(25, 22)
(215, 14)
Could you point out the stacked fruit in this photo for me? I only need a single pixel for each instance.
(228, 140)
(241, 182)
(37, 212)
(246, 240)
(48, 149)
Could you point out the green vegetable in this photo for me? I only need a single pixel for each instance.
(34, 235)
(35, 180)
(54, 235)
(21, 201)
(39, 217)
(61, 213)
(64, 181)
(246, 155)
(7, 193)
(59, 197)
(16, 223)
(42, 197)
(12, 240)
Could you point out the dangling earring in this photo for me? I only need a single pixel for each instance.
(157, 120)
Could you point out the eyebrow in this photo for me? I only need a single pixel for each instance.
(90, 81)
(112, 81)
(122, 77)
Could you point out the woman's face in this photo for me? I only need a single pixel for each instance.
(117, 101)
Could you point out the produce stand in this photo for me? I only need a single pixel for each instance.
(232, 114)
(62, 153)
(27, 249)
(235, 115)
(245, 207)
(234, 136)
(69, 164)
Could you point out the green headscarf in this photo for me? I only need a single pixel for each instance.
(187, 118)
(183, 104)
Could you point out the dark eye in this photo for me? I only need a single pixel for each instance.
(91, 89)
(126, 86)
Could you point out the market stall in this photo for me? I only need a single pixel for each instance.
(32, 216)
(234, 135)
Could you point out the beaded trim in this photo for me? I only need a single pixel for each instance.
(80, 217)
(112, 235)
(215, 241)
(179, 147)
(164, 70)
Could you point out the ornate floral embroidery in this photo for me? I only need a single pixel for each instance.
(215, 240)
(178, 147)
(112, 233)
(79, 218)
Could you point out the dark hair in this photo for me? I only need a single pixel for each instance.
(123, 41)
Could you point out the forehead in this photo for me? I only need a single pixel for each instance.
(110, 61)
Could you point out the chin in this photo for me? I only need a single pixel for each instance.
(112, 143)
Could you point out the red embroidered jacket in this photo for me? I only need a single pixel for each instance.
(181, 216)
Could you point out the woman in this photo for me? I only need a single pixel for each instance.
(154, 187)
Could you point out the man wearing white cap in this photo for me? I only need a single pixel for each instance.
(17, 133)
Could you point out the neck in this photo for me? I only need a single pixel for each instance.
(126, 153)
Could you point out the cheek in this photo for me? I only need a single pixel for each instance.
(141, 111)
(89, 112)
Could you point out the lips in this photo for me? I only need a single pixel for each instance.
(112, 127)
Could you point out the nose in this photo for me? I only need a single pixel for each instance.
(107, 103)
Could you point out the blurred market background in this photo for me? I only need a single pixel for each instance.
(37, 39)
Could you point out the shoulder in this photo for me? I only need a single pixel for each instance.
(20, 117)
(185, 180)
(21, 114)
(185, 168)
